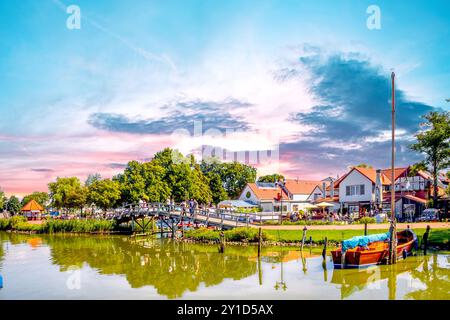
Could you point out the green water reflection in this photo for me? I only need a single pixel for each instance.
(175, 268)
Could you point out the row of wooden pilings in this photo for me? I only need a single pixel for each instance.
(222, 243)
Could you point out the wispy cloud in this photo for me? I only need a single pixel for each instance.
(182, 115)
(353, 113)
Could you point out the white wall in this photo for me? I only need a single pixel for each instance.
(316, 191)
(356, 178)
(252, 199)
(300, 197)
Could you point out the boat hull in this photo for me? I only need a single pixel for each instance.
(377, 253)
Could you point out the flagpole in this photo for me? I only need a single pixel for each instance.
(393, 228)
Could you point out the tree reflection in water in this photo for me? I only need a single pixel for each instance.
(171, 267)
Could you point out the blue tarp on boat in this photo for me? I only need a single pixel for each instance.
(363, 241)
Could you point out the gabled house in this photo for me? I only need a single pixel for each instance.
(364, 189)
(290, 195)
(268, 196)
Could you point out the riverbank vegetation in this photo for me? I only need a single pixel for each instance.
(438, 237)
(18, 223)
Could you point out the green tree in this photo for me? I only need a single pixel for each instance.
(104, 193)
(93, 177)
(434, 143)
(67, 193)
(184, 176)
(132, 183)
(13, 205)
(271, 178)
(364, 165)
(234, 175)
(39, 197)
(143, 181)
(3, 200)
(415, 168)
(218, 193)
(156, 188)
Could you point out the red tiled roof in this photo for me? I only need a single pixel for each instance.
(398, 172)
(416, 199)
(32, 205)
(267, 193)
(301, 186)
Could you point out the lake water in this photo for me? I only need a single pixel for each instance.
(115, 267)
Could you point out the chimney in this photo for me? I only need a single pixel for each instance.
(378, 189)
(324, 192)
(332, 189)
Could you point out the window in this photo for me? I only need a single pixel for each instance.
(355, 190)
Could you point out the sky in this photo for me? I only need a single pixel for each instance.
(297, 87)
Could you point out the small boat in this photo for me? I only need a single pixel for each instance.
(371, 250)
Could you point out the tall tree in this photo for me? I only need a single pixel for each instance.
(143, 181)
(234, 175)
(218, 193)
(184, 176)
(13, 205)
(67, 193)
(40, 197)
(93, 177)
(434, 143)
(103, 193)
(271, 178)
(3, 200)
(132, 183)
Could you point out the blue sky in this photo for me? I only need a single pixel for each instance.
(80, 101)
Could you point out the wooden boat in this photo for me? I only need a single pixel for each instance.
(374, 253)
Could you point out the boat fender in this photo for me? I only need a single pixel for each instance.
(405, 254)
(1, 282)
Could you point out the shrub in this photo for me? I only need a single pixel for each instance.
(5, 224)
(78, 226)
(365, 220)
(238, 234)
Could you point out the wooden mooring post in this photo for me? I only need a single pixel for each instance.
(222, 242)
(324, 250)
(303, 238)
(310, 245)
(173, 229)
(425, 240)
(365, 229)
(259, 241)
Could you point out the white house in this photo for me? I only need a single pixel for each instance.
(289, 196)
(357, 189)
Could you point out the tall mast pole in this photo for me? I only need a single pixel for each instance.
(393, 229)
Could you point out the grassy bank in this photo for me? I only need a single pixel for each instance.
(18, 223)
(235, 235)
(438, 237)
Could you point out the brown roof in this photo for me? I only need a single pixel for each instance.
(398, 172)
(369, 173)
(301, 186)
(267, 193)
(416, 199)
(32, 205)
